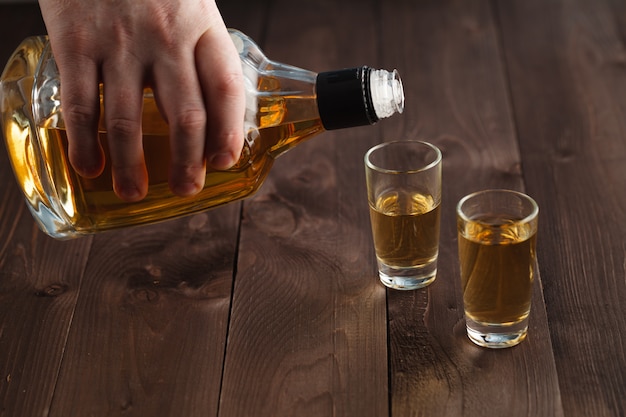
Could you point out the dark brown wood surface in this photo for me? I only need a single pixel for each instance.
(272, 307)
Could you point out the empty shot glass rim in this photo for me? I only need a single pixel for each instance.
(531, 216)
(374, 148)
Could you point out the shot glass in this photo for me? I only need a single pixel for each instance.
(497, 234)
(404, 194)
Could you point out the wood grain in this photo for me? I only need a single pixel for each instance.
(149, 329)
(39, 286)
(272, 307)
(308, 325)
(569, 95)
(457, 98)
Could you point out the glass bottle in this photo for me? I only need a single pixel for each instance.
(284, 106)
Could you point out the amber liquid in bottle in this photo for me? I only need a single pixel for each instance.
(92, 204)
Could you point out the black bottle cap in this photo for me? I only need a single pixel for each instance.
(344, 98)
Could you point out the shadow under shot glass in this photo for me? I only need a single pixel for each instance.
(497, 231)
(404, 194)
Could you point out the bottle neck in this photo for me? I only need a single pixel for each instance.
(358, 96)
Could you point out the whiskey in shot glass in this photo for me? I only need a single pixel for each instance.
(497, 234)
(404, 194)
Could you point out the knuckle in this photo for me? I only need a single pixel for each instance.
(165, 28)
(190, 122)
(229, 84)
(123, 128)
(77, 113)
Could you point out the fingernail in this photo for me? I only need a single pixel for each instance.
(89, 170)
(129, 193)
(222, 160)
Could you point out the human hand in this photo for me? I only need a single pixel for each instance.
(181, 49)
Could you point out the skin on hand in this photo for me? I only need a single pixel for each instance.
(179, 48)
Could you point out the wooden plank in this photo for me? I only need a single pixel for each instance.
(566, 62)
(149, 330)
(307, 333)
(456, 94)
(39, 286)
(39, 278)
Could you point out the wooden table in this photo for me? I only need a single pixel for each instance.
(272, 307)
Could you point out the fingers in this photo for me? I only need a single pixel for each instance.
(81, 112)
(220, 75)
(180, 100)
(202, 98)
(79, 70)
(195, 73)
(123, 99)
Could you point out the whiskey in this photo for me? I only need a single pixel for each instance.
(405, 228)
(284, 106)
(497, 260)
(92, 205)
